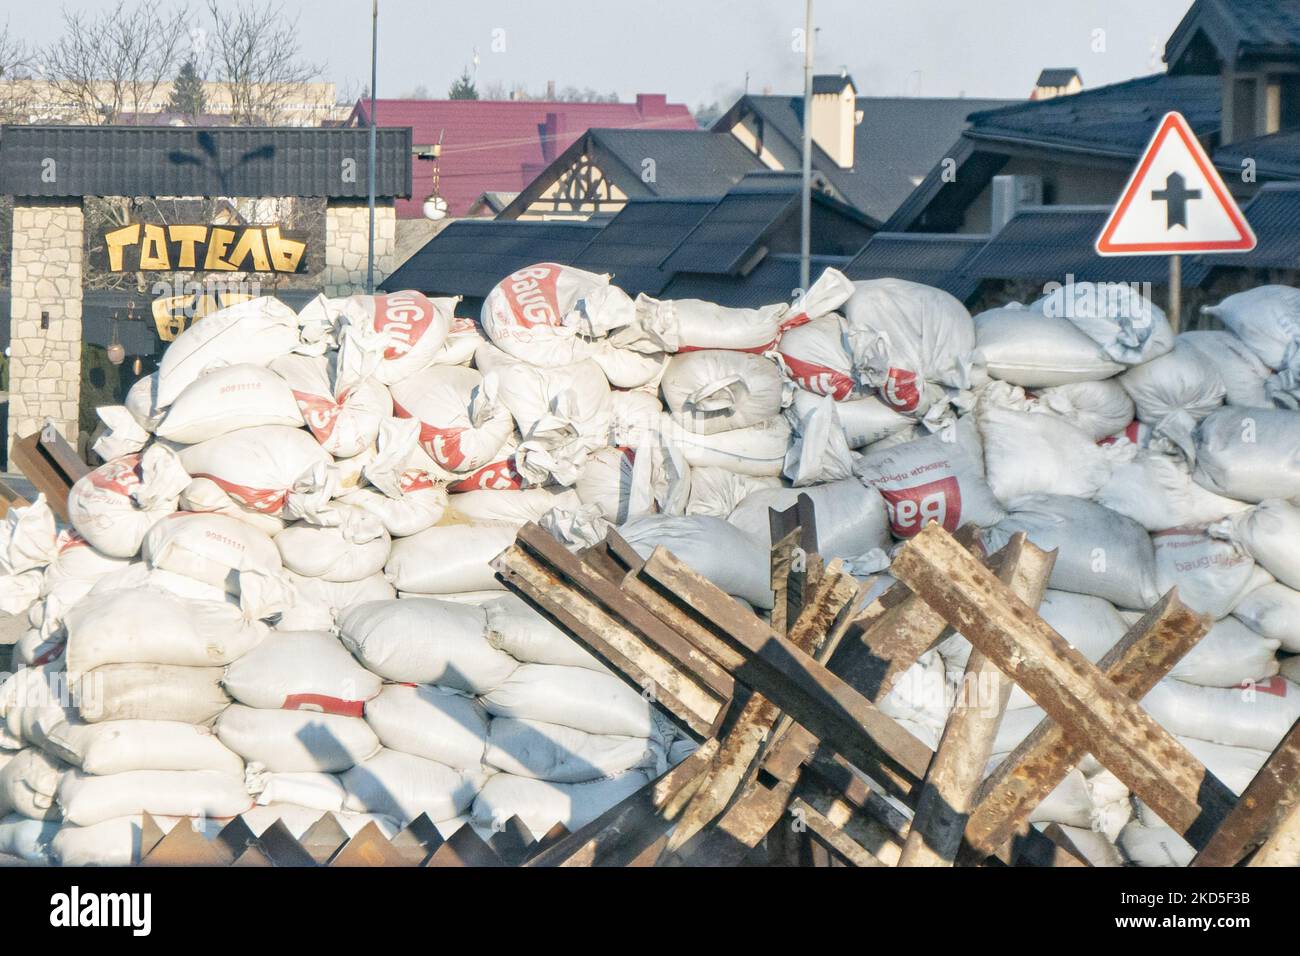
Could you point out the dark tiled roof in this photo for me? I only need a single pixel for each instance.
(638, 238)
(1114, 120)
(899, 140)
(729, 233)
(686, 163)
(1052, 242)
(470, 256)
(1057, 77)
(1274, 214)
(933, 259)
(773, 280)
(1276, 155)
(1239, 27)
(185, 161)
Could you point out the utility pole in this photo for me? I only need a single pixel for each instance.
(370, 163)
(805, 198)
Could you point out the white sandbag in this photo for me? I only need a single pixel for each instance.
(145, 626)
(446, 559)
(296, 741)
(406, 329)
(1156, 846)
(1272, 610)
(906, 338)
(431, 722)
(227, 398)
(404, 786)
(112, 842)
(1242, 372)
(1228, 655)
(1098, 849)
(114, 506)
(212, 548)
(463, 338)
(572, 697)
(819, 451)
(1249, 453)
(525, 634)
(28, 784)
(341, 404)
(550, 314)
(1098, 409)
(729, 557)
(302, 670)
(34, 648)
(76, 568)
(138, 575)
(512, 507)
(634, 417)
(1023, 346)
(317, 602)
(271, 468)
(1290, 668)
(322, 792)
(462, 424)
(816, 357)
(206, 496)
(254, 332)
(851, 518)
(937, 478)
(1129, 327)
(356, 549)
(1269, 533)
(718, 492)
(563, 414)
(142, 402)
(629, 368)
(864, 419)
(421, 504)
(531, 748)
(1100, 552)
(1026, 453)
(1257, 715)
(1235, 766)
(423, 641)
(714, 390)
(19, 592)
(921, 695)
(87, 800)
(1211, 575)
(190, 695)
(29, 840)
(28, 538)
(541, 804)
(119, 746)
(1157, 491)
(686, 325)
(1180, 380)
(1267, 319)
(757, 450)
(618, 483)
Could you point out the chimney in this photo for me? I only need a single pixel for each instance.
(651, 105)
(553, 132)
(550, 89)
(835, 117)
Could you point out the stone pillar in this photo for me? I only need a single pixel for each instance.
(347, 227)
(45, 363)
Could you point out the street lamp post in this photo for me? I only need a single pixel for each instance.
(805, 197)
(370, 163)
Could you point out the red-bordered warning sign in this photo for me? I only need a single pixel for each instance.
(1175, 202)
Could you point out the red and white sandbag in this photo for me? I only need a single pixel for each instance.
(1023, 346)
(718, 550)
(1272, 610)
(425, 641)
(302, 670)
(272, 469)
(1100, 552)
(114, 506)
(462, 426)
(224, 399)
(907, 339)
(446, 559)
(405, 329)
(435, 723)
(205, 496)
(1250, 454)
(550, 315)
(256, 332)
(937, 478)
(421, 504)
(712, 390)
(816, 357)
(341, 402)
(296, 741)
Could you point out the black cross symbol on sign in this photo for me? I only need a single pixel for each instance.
(1175, 195)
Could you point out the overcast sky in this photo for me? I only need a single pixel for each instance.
(698, 51)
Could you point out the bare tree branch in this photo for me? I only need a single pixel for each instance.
(259, 58)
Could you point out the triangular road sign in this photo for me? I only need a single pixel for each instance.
(1175, 203)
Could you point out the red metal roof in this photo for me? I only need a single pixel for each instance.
(503, 144)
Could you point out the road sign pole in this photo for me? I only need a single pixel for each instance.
(1175, 292)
